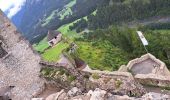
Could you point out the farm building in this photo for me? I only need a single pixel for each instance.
(54, 37)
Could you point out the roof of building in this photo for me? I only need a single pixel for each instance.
(52, 34)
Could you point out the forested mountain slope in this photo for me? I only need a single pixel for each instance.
(123, 11)
(38, 16)
(109, 40)
(33, 11)
(104, 30)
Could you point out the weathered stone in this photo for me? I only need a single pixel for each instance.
(119, 85)
(116, 97)
(20, 67)
(97, 94)
(148, 64)
(37, 99)
(74, 91)
(123, 68)
(155, 96)
(58, 96)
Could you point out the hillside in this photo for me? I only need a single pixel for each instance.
(107, 38)
(32, 14)
(37, 17)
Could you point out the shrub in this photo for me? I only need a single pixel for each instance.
(46, 71)
(71, 78)
(118, 83)
(95, 76)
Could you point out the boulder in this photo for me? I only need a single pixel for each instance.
(56, 96)
(74, 91)
(155, 96)
(97, 94)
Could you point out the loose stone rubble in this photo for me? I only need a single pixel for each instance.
(99, 94)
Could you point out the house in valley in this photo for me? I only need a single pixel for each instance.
(54, 37)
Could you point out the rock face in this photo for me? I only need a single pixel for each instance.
(20, 66)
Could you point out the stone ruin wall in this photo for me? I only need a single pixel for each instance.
(143, 58)
(115, 74)
(153, 80)
(159, 76)
(20, 67)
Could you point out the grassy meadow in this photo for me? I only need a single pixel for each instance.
(41, 46)
(53, 54)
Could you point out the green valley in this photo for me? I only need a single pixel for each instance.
(53, 54)
(106, 41)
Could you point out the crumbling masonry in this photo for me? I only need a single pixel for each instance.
(19, 65)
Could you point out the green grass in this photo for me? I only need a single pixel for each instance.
(67, 32)
(90, 54)
(95, 76)
(95, 12)
(118, 83)
(41, 46)
(62, 14)
(163, 31)
(67, 10)
(72, 3)
(47, 71)
(49, 18)
(102, 56)
(53, 54)
(71, 78)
